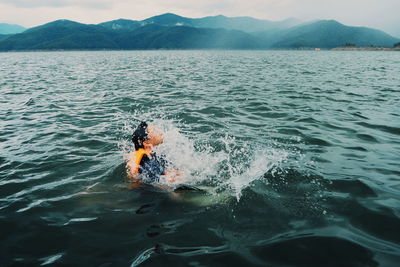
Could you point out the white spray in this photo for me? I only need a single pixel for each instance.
(231, 167)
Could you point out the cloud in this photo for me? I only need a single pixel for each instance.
(58, 3)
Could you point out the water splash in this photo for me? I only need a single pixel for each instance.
(263, 161)
(224, 165)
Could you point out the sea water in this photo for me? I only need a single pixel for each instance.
(296, 152)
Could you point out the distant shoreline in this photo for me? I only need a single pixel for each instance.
(367, 48)
(215, 49)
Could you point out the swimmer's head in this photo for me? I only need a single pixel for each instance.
(154, 136)
(146, 135)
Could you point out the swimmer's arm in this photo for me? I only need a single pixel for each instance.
(173, 175)
(131, 166)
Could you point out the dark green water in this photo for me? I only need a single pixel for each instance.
(298, 153)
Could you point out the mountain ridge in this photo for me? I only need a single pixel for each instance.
(245, 23)
(317, 34)
(6, 28)
(171, 31)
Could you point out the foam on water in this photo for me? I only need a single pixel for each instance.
(223, 165)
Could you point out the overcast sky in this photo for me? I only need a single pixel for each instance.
(381, 14)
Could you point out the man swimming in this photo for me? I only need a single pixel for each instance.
(144, 165)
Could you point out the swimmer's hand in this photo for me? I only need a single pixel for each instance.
(172, 176)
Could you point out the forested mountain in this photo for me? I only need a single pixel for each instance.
(171, 31)
(10, 28)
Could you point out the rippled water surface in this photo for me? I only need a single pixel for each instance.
(297, 155)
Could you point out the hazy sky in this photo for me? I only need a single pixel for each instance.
(381, 14)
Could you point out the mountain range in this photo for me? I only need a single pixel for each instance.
(10, 29)
(170, 31)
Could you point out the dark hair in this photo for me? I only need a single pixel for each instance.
(140, 135)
